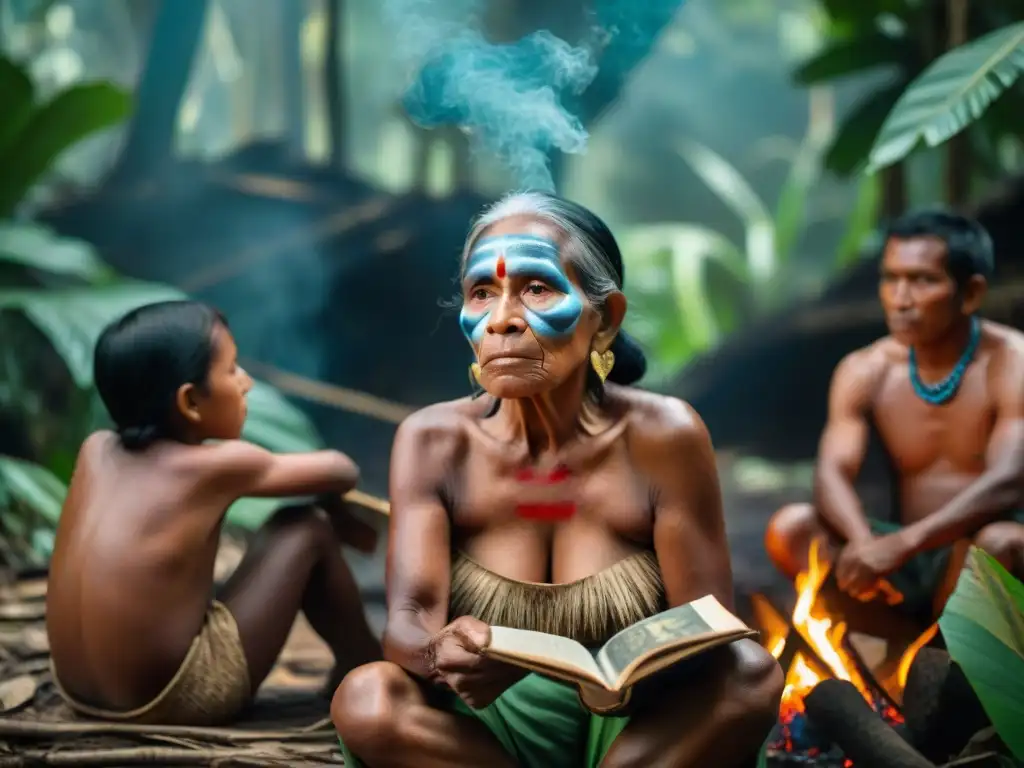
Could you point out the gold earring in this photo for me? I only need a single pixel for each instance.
(603, 362)
(474, 374)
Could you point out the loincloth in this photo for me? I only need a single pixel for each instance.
(920, 578)
(210, 687)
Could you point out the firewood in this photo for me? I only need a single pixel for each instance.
(840, 712)
(940, 708)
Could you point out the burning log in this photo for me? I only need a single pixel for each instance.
(841, 713)
(941, 709)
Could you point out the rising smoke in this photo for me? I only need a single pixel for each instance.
(515, 99)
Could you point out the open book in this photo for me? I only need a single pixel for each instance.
(606, 677)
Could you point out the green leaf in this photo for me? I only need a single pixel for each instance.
(850, 56)
(276, 424)
(72, 319)
(732, 189)
(249, 513)
(16, 87)
(983, 626)
(37, 247)
(851, 146)
(954, 91)
(54, 127)
(34, 486)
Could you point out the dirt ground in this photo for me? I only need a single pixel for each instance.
(287, 726)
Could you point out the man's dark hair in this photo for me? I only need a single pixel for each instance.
(969, 250)
(142, 359)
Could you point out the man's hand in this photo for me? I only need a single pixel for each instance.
(347, 527)
(863, 565)
(459, 663)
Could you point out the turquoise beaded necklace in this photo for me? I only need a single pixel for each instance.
(943, 391)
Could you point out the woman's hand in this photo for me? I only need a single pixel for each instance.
(459, 663)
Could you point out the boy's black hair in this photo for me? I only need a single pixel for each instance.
(143, 358)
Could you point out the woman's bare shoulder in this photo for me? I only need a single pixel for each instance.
(436, 434)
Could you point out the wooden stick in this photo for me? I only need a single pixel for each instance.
(320, 730)
(370, 502)
(160, 756)
(840, 713)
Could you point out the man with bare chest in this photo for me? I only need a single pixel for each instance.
(561, 500)
(945, 391)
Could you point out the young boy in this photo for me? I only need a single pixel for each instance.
(135, 633)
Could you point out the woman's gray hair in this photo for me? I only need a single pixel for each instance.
(594, 269)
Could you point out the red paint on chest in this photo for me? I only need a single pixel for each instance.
(499, 268)
(546, 511)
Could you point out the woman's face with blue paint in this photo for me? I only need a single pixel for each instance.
(523, 311)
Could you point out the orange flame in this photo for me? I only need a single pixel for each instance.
(825, 637)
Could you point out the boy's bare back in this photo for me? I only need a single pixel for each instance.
(134, 559)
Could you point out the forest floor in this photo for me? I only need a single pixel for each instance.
(288, 725)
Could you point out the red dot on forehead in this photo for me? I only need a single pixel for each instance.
(499, 268)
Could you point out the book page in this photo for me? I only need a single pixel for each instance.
(513, 645)
(678, 627)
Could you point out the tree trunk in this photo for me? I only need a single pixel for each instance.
(176, 34)
(894, 191)
(334, 84)
(293, 13)
(958, 149)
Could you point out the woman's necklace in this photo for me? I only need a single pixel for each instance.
(943, 391)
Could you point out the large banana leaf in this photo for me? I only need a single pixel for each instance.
(16, 97)
(37, 134)
(278, 425)
(31, 498)
(983, 625)
(73, 318)
(36, 247)
(954, 91)
(33, 486)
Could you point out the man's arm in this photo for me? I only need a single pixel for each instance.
(999, 488)
(419, 541)
(242, 468)
(842, 448)
(689, 528)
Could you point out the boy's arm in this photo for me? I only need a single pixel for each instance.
(843, 446)
(246, 469)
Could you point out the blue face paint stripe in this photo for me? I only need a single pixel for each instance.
(489, 243)
(525, 255)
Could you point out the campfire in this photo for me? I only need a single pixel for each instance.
(814, 646)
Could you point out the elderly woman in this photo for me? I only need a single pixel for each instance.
(481, 536)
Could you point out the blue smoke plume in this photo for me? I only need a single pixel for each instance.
(518, 99)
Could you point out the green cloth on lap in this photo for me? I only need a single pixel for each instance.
(921, 576)
(541, 724)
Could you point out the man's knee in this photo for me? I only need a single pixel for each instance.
(1003, 540)
(754, 688)
(789, 535)
(366, 708)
